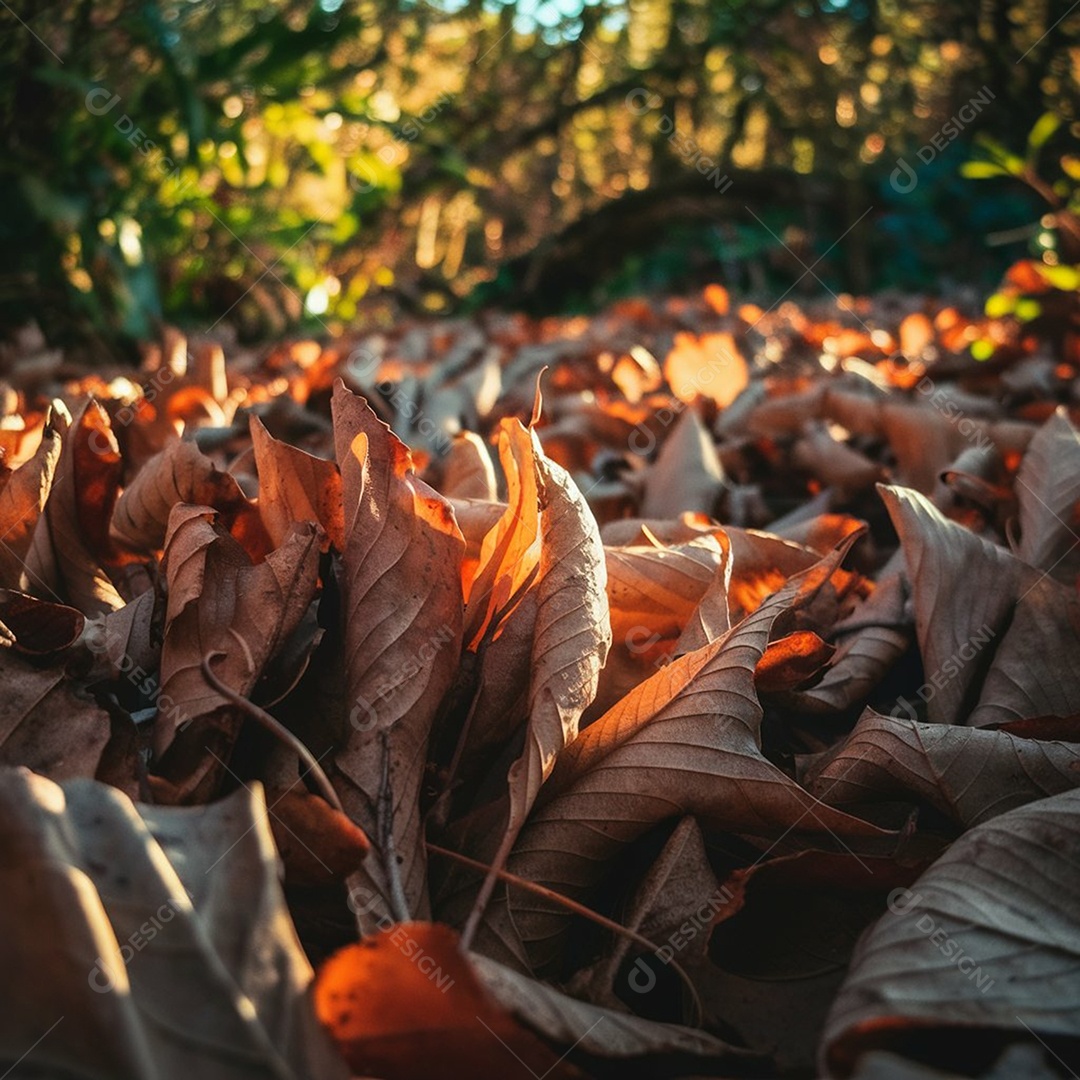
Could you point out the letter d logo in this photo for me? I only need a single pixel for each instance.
(903, 178)
(642, 978)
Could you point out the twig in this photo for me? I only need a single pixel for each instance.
(493, 874)
(276, 728)
(508, 878)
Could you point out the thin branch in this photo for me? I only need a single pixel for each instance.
(543, 891)
(276, 728)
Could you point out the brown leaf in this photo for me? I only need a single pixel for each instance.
(23, 494)
(968, 774)
(219, 602)
(964, 590)
(45, 724)
(181, 473)
(571, 635)
(568, 631)
(871, 640)
(991, 629)
(510, 552)
(468, 472)
(686, 741)
(71, 541)
(318, 844)
(653, 592)
(403, 626)
(35, 627)
(1048, 490)
(156, 966)
(831, 461)
(687, 475)
(710, 366)
(403, 1003)
(983, 943)
(294, 486)
(608, 1040)
(791, 661)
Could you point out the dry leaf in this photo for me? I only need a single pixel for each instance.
(403, 626)
(686, 741)
(984, 942)
(134, 958)
(967, 774)
(219, 602)
(687, 475)
(45, 724)
(181, 473)
(23, 494)
(294, 486)
(1048, 490)
(71, 540)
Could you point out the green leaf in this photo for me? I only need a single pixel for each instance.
(1044, 127)
(1028, 309)
(981, 170)
(1066, 278)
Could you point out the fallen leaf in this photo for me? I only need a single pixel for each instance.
(219, 602)
(687, 475)
(71, 540)
(967, 774)
(181, 473)
(983, 943)
(144, 963)
(403, 628)
(1048, 491)
(686, 741)
(294, 486)
(404, 1002)
(23, 494)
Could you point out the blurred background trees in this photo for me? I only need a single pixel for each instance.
(250, 166)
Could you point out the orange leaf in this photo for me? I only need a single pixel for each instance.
(709, 366)
(405, 1004)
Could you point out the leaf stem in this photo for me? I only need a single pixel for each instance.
(276, 728)
(506, 876)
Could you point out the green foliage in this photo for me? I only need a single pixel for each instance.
(1058, 235)
(152, 174)
(263, 165)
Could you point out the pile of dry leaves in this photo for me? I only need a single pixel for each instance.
(566, 778)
